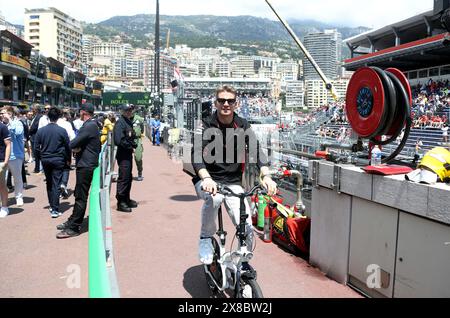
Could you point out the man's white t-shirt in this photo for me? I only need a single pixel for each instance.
(78, 123)
(44, 121)
(63, 123)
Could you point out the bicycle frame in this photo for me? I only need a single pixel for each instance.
(230, 262)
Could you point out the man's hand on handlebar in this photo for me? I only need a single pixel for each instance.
(209, 186)
(269, 185)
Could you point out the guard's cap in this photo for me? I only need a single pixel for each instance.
(89, 108)
(126, 107)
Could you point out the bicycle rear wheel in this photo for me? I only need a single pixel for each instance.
(250, 289)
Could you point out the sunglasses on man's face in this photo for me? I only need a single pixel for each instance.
(230, 102)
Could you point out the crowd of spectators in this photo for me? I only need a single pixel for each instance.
(20, 131)
(431, 104)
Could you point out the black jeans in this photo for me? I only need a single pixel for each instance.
(37, 165)
(83, 185)
(125, 179)
(53, 170)
(65, 177)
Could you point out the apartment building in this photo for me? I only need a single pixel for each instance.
(326, 49)
(243, 66)
(55, 34)
(295, 94)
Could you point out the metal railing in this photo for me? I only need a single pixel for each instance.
(102, 272)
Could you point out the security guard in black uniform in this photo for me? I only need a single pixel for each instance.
(126, 141)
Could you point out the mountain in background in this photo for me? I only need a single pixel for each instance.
(248, 34)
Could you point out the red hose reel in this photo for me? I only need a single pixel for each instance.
(379, 104)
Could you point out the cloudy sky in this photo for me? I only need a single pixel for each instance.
(370, 13)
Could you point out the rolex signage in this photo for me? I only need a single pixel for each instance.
(114, 99)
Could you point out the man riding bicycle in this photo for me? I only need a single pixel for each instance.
(218, 158)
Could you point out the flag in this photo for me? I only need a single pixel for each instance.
(178, 76)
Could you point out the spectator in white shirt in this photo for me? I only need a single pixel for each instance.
(64, 122)
(44, 121)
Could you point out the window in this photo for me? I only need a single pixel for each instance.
(434, 72)
(445, 70)
(423, 74)
(32, 17)
(413, 75)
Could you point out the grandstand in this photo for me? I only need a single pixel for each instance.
(420, 47)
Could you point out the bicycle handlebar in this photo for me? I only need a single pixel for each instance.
(224, 190)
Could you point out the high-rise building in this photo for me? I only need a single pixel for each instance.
(265, 62)
(295, 94)
(205, 68)
(87, 60)
(326, 49)
(167, 71)
(243, 66)
(222, 68)
(316, 94)
(55, 34)
(340, 85)
(288, 70)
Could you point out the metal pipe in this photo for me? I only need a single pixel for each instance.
(299, 203)
(336, 146)
(316, 66)
(295, 152)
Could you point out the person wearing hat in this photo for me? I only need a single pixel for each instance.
(138, 126)
(86, 147)
(126, 141)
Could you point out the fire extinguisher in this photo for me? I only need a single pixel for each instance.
(262, 206)
(267, 234)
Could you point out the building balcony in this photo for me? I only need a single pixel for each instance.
(54, 79)
(14, 64)
(79, 88)
(96, 93)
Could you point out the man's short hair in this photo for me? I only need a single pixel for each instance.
(227, 89)
(54, 114)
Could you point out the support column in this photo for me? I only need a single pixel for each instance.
(397, 36)
(2, 95)
(15, 88)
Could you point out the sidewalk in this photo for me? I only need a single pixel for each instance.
(33, 263)
(156, 245)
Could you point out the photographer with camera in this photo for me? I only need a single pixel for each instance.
(126, 141)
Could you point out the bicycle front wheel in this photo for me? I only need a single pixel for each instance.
(250, 289)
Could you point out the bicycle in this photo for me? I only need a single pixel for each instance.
(233, 265)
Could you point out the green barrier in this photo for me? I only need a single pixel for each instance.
(99, 285)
